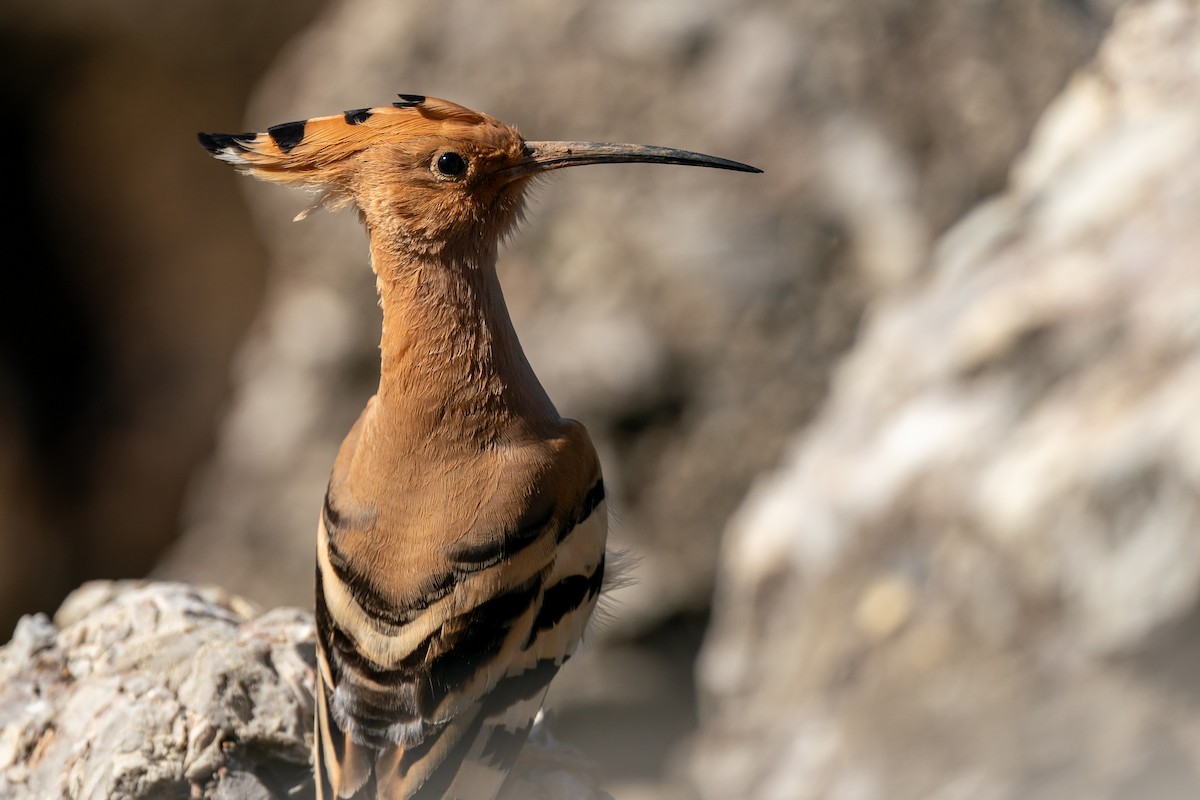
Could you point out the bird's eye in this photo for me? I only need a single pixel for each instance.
(451, 164)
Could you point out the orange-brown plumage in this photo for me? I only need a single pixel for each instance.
(461, 544)
(376, 160)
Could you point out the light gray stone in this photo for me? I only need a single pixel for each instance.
(976, 574)
(158, 691)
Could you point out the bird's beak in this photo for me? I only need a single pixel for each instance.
(545, 156)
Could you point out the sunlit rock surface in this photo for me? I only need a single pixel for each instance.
(976, 574)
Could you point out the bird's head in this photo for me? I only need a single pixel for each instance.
(429, 177)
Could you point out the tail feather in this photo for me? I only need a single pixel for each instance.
(345, 770)
(494, 750)
(468, 759)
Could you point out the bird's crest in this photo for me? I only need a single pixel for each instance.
(321, 141)
(318, 152)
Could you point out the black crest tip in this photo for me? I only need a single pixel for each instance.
(409, 100)
(216, 143)
(288, 134)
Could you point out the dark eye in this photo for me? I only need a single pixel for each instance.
(452, 165)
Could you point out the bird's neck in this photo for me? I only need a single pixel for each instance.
(452, 369)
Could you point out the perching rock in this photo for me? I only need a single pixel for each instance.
(977, 575)
(157, 691)
(150, 691)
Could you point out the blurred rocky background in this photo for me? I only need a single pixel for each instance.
(977, 572)
(918, 400)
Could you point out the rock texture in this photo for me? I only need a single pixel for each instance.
(977, 573)
(155, 691)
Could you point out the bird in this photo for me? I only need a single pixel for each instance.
(461, 545)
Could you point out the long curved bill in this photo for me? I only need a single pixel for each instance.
(545, 156)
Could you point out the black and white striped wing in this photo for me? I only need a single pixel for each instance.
(436, 702)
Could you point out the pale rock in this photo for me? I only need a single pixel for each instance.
(154, 690)
(977, 572)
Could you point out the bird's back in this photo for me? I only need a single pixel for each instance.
(449, 592)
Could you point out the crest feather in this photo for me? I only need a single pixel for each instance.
(314, 152)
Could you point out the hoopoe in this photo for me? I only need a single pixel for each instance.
(461, 546)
